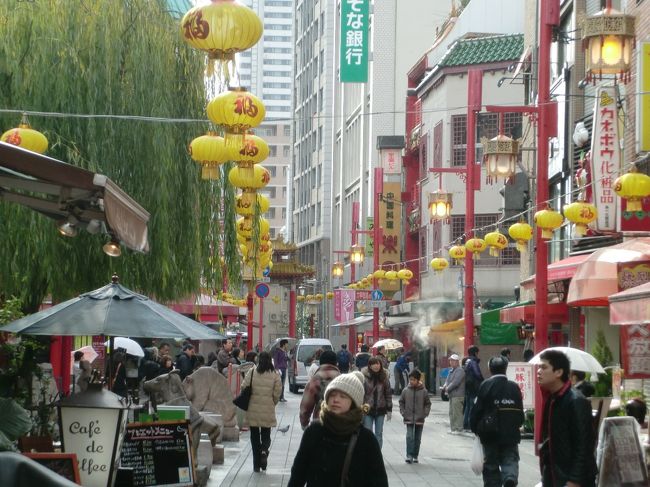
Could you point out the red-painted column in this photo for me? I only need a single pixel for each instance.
(352, 330)
(250, 317)
(292, 311)
(261, 332)
(549, 15)
(474, 101)
(377, 235)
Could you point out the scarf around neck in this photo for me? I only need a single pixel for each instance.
(341, 424)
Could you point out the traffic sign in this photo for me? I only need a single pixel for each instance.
(377, 295)
(378, 304)
(262, 290)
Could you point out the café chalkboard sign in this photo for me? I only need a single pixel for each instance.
(159, 453)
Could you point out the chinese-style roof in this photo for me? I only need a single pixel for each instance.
(484, 50)
(284, 270)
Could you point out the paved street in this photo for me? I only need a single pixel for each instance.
(444, 458)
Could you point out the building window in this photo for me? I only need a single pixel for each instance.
(287, 130)
(458, 139)
(424, 143)
(270, 213)
(286, 150)
(272, 170)
(273, 150)
(423, 250)
(437, 145)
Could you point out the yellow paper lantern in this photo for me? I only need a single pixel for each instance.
(439, 264)
(521, 233)
(379, 274)
(475, 246)
(300, 299)
(633, 186)
(243, 178)
(580, 214)
(26, 137)
(245, 203)
(405, 274)
(458, 253)
(496, 241)
(330, 295)
(245, 226)
(548, 221)
(221, 29)
(253, 151)
(318, 297)
(391, 275)
(210, 151)
(237, 111)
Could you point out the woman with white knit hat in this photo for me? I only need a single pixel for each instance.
(337, 451)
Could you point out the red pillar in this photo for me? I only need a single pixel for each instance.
(549, 17)
(472, 181)
(352, 330)
(377, 235)
(292, 311)
(249, 317)
(261, 324)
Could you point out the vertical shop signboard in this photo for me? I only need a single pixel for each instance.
(370, 241)
(605, 157)
(343, 305)
(635, 339)
(643, 108)
(390, 246)
(354, 41)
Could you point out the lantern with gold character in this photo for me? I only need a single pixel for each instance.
(521, 233)
(237, 111)
(439, 264)
(458, 253)
(580, 214)
(405, 275)
(548, 220)
(221, 29)
(210, 152)
(633, 186)
(245, 203)
(496, 241)
(26, 137)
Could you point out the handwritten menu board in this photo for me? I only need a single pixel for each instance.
(64, 464)
(159, 453)
(619, 455)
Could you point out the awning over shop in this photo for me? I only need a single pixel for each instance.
(493, 331)
(559, 271)
(557, 313)
(597, 277)
(204, 304)
(448, 326)
(630, 307)
(394, 321)
(360, 320)
(68, 193)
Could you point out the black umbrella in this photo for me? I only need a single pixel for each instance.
(112, 310)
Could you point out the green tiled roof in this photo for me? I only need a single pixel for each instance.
(483, 50)
(178, 8)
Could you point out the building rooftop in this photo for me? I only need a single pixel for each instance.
(483, 50)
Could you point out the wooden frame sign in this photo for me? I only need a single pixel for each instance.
(64, 464)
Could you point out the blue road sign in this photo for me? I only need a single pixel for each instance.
(377, 295)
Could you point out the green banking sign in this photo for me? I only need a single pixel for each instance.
(354, 41)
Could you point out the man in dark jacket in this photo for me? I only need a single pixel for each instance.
(314, 392)
(344, 358)
(496, 418)
(473, 379)
(401, 371)
(280, 359)
(361, 359)
(184, 363)
(566, 450)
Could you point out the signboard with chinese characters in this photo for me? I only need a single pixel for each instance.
(354, 41)
(370, 241)
(605, 157)
(635, 339)
(391, 161)
(619, 455)
(343, 305)
(390, 220)
(522, 373)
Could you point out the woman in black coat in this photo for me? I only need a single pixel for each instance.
(321, 458)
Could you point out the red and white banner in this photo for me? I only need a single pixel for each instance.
(343, 305)
(605, 157)
(635, 348)
(523, 374)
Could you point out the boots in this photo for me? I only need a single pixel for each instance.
(263, 459)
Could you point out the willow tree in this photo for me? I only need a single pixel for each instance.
(107, 68)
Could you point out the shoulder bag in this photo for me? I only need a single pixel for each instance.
(244, 398)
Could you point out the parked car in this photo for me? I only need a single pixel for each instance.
(300, 357)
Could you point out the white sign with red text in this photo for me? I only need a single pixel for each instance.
(523, 374)
(605, 157)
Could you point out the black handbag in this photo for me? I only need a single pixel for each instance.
(244, 398)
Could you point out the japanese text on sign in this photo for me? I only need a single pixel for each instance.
(522, 374)
(354, 41)
(605, 157)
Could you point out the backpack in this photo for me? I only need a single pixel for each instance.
(321, 395)
(343, 359)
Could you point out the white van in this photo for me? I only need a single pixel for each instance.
(300, 357)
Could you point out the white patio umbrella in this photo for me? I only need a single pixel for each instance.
(131, 346)
(389, 344)
(580, 360)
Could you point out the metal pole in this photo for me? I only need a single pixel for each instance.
(261, 330)
(474, 100)
(377, 235)
(549, 13)
(292, 311)
(249, 317)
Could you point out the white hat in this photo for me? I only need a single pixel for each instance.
(453, 356)
(351, 384)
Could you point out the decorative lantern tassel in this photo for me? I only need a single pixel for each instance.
(522, 246)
